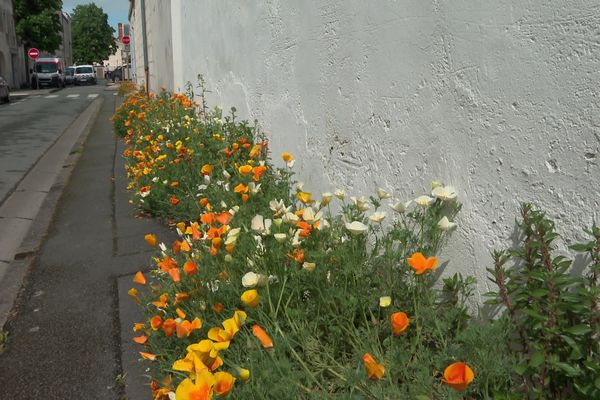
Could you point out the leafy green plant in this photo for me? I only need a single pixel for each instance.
(554, 314)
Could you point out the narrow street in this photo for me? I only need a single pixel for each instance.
(66, 331)
(30, 124)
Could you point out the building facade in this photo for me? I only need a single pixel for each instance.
(65, 51)
(499, 101)
(12, 62)
(158, 43)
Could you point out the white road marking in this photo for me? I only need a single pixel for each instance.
(73, 96)
(92, 95)
(51, 96)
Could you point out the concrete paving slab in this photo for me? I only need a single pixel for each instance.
(136, 384)
(39, 182)
(22, 205)
(12, 232)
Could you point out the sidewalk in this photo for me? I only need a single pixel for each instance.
(72, 319)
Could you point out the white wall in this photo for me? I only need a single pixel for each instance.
(159, 43)
(499, 99)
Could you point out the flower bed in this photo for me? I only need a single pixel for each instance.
(273, 292)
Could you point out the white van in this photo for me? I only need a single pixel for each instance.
(84, 74)
(48, 72)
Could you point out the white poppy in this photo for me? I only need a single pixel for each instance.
(232, 236)
(385, 301)
(356, 227)
(280, 237)
(207, 179)
(444, 193)
(378, 216)
(340, 194)
(361, 203)
(308, 214)
(446, 225)
(400, 207)
(424, 201)
(290, 218)
(382, 194)
(326, 198)
(226, 174)
(260, 225)
(296, 239)
(310, 267)
(254, 188)
(435, 184)
(252, 279)
(278, 207)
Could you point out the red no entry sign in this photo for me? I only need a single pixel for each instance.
(126, 40)
(33, 53)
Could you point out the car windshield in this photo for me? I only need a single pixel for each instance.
(83, 70)
(46, 68)
(69, 71)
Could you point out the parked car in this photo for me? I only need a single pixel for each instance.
(70, 76)
(85, 74)
(48, 72)
(116, 74)
(4, 90)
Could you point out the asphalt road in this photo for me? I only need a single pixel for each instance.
(67, 331)
(30, 124)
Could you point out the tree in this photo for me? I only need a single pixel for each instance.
(93, 39)
(37, 22)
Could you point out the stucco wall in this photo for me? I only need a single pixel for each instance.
(499, 99)
(159, 43)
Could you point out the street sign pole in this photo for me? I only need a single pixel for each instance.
(33, 54)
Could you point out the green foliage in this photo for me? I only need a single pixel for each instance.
(37, 23)
(324, 318)
(93, 39)
(555, 315)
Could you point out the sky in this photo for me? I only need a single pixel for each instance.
(117, 10)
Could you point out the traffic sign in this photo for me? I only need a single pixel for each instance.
(33, 53)
(125, 40)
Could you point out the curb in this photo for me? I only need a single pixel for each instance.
(11, 284)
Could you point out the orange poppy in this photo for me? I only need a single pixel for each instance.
(166, 264)
(179, 297)
(148, 356)
(140, 339)
(185, 328)
(150, 239)
(258, 171)
(250, 298)
(298, 255)
(458, 376)
(185, 246)
(224, 218)
(208, 218)
(190, 268)
(169, 327)
(224, 383)
(206, 169)
(175, 274)
(421, 264)
(261, 335)
(375, 371)
(174, 200)
(218, 307)
(245, 169)
(399, 322)
(180, 313)
(139, 278)
(156, 322)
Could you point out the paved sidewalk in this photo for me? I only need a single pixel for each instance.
(65, 334)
